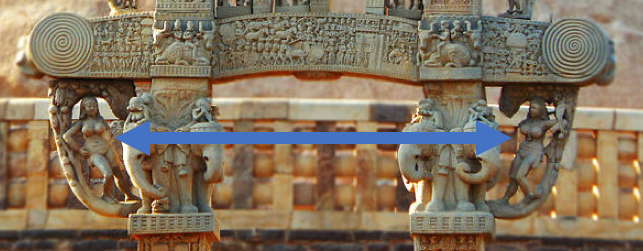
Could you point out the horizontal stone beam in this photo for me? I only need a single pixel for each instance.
(495, 51)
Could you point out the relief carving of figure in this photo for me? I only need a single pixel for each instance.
(139, 112)
(449, 46)
(531, 150)
(97, 148)
(119, 6)
(181, 47)
(521, 9)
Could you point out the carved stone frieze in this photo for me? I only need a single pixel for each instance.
(449, 49)
(121, 47)
(183, 48)
(303, 42)
(511, 50)
(568, 51)
(497, 51)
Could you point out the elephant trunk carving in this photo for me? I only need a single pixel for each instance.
(134, 165)
(213, 158)
(488, 160)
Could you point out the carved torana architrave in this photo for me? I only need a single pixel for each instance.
(445, 46)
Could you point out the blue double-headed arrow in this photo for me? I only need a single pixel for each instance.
(141, 138)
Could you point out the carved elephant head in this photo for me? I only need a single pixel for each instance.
(414, 163)
(212, 155)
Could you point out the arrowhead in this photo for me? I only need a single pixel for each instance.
(137, 137)
(487, 138)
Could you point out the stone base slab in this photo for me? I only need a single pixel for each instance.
(202, 224)
(470, 242)
(452, 223)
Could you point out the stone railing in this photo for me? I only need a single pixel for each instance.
(335, 187)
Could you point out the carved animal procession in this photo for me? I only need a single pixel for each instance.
(182, 47)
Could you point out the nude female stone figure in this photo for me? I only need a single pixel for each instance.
(530, 152)
(97, 149)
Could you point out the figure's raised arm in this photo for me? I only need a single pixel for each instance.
(69, 135)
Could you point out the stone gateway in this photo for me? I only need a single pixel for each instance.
(183, 46)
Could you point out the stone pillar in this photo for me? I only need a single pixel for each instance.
(174, 232)
(375, 7)
(319, 6)
(450, 211)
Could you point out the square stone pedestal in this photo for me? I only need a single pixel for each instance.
(451, 231)
(174, 232)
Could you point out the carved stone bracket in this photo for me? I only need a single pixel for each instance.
(88, 143)
(531, 151)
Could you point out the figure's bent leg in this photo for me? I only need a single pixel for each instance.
(512, 189)
(521, 176)
(121, 180)
(101, 163)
